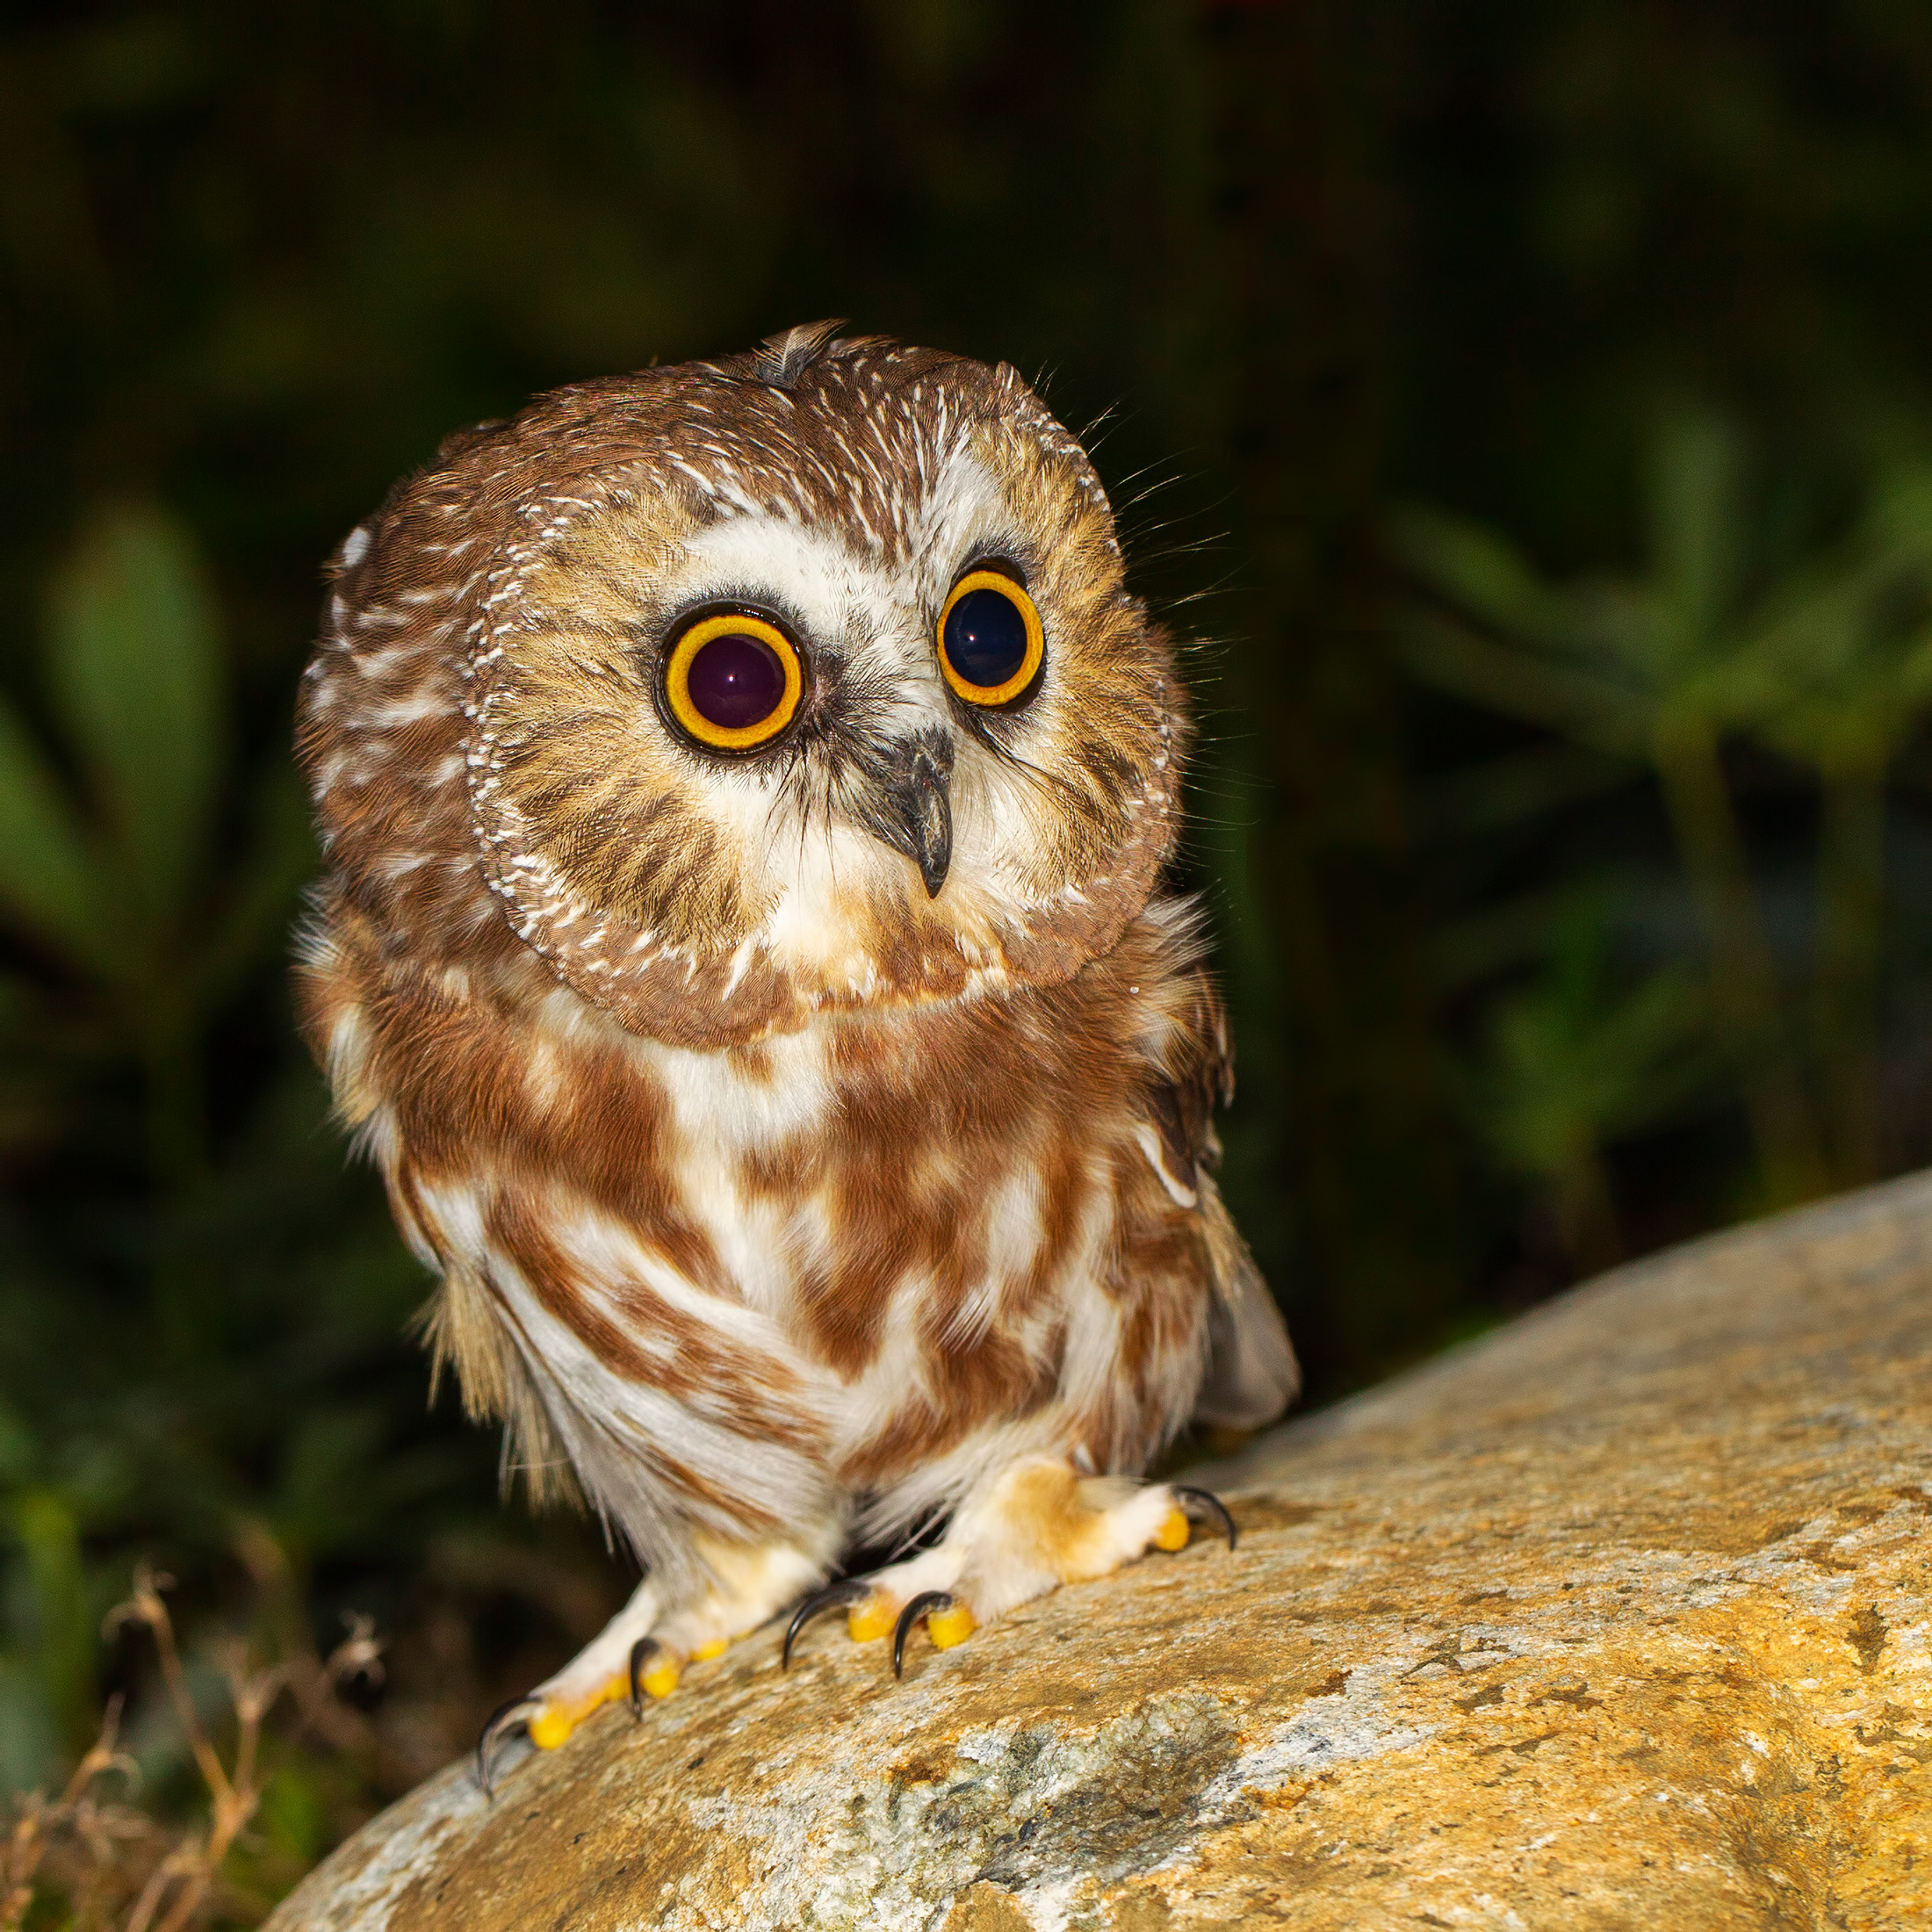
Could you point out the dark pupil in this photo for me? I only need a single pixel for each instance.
(986, 637)
(734, 680)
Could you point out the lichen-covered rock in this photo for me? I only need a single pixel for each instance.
(1619, 1617)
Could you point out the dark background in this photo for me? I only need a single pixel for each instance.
(1521, 405)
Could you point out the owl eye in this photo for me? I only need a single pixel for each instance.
(733, 681)
(990, 640)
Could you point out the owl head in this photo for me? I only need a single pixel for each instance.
(800, 681)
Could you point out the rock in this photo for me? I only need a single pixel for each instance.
(1616, 1617)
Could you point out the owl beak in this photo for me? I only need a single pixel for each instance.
(913, 806)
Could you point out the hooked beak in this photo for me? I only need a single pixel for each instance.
(911, 805)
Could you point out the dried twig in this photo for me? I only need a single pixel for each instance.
(27, 1841)
(102, 1859)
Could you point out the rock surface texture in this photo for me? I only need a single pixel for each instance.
(1621, 1617)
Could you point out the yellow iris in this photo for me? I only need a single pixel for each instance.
(962, 654)
(733, 681)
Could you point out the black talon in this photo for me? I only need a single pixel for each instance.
(639, 1651)
(1211, 1504)
(926, 1600)
(500, 1721)
(847, 1589)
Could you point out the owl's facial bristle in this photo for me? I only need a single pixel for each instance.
(907, 804)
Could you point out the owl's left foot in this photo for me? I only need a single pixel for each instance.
(1039, 1524)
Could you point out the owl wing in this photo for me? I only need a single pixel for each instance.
(1251, 1374)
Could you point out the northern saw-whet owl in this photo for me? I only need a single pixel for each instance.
(745, 788)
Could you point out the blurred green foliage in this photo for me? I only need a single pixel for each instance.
(1525, 407)
(1828, 661)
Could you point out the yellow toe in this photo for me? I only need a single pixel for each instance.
(660, 1679)
(1173, 1534)
(560, 1717)
(715, 1647)
(870, 1618)
(950, 1627)
(549, 1729)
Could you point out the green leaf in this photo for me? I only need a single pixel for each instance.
(1902, 507)
(49, 1536)
(135, 669)
(51, 886)
(1831, 669)
(1566, 694)
(30, 1750)
(293, 1816)
(1510, 790)
(1478, 572)
(281, 857)
(18, 1450)
(1697, 527)
(1582, 1057)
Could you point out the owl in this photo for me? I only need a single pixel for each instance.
(745, 788)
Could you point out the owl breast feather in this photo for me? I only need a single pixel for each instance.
(831, 1271)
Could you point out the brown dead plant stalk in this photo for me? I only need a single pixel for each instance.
(117, 1869)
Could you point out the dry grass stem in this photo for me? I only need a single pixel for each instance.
(117, 1868)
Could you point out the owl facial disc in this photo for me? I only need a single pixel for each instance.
(723, 670)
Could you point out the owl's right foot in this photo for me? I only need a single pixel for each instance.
(641, 1652)
(598, 1674)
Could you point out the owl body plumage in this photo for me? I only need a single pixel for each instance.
(782, 1193)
